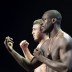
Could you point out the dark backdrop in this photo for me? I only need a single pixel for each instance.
(16, 20)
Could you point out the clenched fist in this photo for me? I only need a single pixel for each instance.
(9, 43)
(37, 52)
(24, 44)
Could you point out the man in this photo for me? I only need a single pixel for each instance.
(56, 52)
(58, 47)
(38, 35)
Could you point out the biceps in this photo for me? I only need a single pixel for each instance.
(65, 56)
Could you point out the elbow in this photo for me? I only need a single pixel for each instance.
(59, 67)
(62, 68)
(27, 65)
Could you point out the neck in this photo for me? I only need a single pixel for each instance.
(45, 37)
(55, 30)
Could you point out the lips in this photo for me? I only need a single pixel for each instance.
(42, 27)
(33, 35)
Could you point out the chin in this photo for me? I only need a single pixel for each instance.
(36, 40)
(43, 30)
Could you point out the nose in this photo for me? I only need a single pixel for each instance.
(41, 24)
(32, 32)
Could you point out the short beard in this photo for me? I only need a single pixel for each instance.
(48, 30)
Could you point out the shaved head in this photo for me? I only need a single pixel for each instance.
(53, 14)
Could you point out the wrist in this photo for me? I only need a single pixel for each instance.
(24, 49)
(41, 58)
(10, 49)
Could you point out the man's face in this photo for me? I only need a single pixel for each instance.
(46, 23)
(36, 32)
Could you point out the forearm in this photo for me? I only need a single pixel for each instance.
(28, 54)
(27, 65)
(21, 60)
(55, 65)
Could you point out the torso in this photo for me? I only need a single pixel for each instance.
(41, 68)
(51, 49)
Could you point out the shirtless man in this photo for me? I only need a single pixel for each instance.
(38, 36)
(57, 52)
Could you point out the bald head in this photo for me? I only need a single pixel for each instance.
(53, 14)
(51, 19)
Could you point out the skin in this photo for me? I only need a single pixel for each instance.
(57, 51)
(26, 62)
(38, 36)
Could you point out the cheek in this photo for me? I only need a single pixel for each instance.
(45, 24)
(38, 34)
(48, 24)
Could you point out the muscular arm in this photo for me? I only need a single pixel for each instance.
(24, 46)
(65, 57)
(55, 65)
(27, 65)
(20, 59)
(27, 54)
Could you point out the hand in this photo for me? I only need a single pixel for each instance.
(37, 53)
(8, 43)
(24, 44)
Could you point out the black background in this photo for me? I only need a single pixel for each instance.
(16, 19)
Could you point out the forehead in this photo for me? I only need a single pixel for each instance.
(45, 16)
(36, 26)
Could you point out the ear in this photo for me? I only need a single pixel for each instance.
(54, 20)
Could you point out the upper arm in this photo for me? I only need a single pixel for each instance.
(66, 53)
(35, 63)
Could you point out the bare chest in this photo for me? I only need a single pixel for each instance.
(51, 49)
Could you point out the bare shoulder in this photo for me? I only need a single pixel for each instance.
(66, 39)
